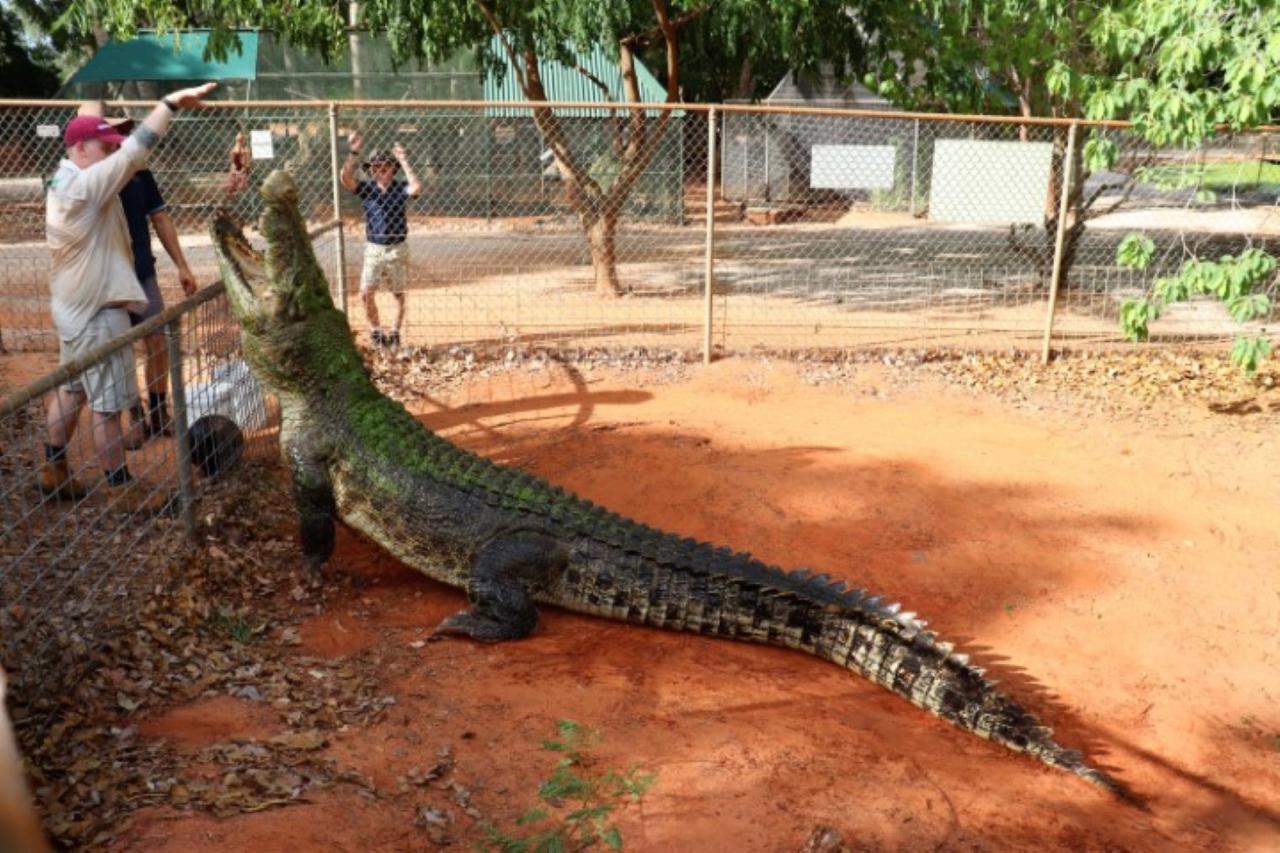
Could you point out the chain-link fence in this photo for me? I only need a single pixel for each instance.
(78, 539)
(596, 226)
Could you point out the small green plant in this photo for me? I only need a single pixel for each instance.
(576, 803)
(239, 628)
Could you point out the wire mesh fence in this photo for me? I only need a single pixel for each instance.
(78, 540)
(599, 226)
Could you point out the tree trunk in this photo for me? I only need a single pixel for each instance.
(602, 236)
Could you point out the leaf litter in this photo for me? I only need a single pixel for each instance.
(220, 620)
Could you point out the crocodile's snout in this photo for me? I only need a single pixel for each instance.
(280, 189)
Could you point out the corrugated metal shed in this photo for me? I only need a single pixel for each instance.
(563, 83)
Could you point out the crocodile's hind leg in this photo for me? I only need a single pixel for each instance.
(505, 571)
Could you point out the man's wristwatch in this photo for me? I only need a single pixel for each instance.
(172, 107)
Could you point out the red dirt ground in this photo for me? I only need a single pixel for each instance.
(1129, 569)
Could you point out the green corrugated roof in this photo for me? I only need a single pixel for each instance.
(168, 57)
(562, 83)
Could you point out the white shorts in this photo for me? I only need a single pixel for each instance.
(112, 384)
(385, 263)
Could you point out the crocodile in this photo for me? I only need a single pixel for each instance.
(513, 541)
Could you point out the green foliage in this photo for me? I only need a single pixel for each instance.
(1180, 67)
(1136, 317)
(576, 803)
(1100, 153)
(1135, 251)
(26, 68)
(1248, 353)
(742, 50)
(1030, 57)
(1240, 282)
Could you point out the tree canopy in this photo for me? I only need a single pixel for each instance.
(27, 67)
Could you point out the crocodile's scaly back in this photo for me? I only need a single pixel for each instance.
(511, 539)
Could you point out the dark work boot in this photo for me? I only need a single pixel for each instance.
(160, 421)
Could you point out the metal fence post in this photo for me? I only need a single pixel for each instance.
(1068, 168)
(768, 197)
(709, 263)
(340, 273)
(724, 160)
(181, 430)
(915, 164)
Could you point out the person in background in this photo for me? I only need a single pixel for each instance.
(386, 229)
(144, 209)
(93, 285)
(238, 172)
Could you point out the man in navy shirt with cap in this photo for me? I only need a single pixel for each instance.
(386, 229)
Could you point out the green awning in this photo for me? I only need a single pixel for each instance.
(169, 57)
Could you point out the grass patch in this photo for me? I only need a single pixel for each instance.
(1222, 176)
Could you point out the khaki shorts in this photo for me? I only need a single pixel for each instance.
(385, 263)
(112, 384)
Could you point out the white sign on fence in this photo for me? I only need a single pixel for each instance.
(48, 131)
(852, 167)
(980, 181)
(260, 144)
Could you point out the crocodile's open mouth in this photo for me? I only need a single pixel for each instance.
(244, 261)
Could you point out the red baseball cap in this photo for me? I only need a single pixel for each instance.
(83, 128)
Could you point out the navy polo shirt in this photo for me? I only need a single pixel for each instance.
(385, 222)
(141, 198)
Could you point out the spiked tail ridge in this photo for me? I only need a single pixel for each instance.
(696, 587)
(894, 649)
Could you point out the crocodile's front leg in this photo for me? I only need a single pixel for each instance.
(313, 495)
(504, 572)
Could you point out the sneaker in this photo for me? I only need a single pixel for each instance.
(376, 337)
(137, 497)
(55, 481)
(391, 340)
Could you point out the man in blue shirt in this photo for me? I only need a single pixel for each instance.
(144, 208)
(386, 227)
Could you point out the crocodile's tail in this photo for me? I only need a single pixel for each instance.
(734, 596)
(893, 648)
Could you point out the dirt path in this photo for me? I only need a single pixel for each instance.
(1120, 578)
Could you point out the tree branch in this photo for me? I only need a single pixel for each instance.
(496, 26)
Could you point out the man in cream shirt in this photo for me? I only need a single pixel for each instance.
(93, 285)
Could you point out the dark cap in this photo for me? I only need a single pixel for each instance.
(380, 157)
